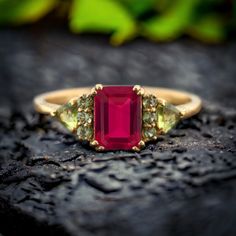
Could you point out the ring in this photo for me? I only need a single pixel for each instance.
(118, 117)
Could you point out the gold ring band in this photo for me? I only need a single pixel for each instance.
(118, 117)
(187, 103)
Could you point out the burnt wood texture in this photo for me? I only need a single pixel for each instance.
(185, 184)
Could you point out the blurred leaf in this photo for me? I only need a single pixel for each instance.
(209, 29)
(172, 23)
(106, 16)
(138, 7)
(24, 11)
(163, 5)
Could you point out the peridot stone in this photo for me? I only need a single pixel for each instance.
(149, 101)
(85, 102)
(149, 133)
(67, 115)
(84, 133)
(149, 117)
(167, 117)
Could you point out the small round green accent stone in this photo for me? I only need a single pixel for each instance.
(85, 117)
(88, 117)
(81, 132)
(145, 102)
(149, 117)
(89, 102)
(149, 133)
(81, 101)
(149, 101)
(85, 102)
(153, 101)
(81, 117)
(89, 133)
(85, 133)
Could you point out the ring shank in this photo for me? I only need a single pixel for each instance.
(187, 103)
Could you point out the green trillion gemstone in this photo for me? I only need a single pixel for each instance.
(67, 115)
(167, 117)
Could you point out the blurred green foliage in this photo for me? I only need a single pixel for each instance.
(211, 21)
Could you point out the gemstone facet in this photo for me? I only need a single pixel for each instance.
(117, 118)
(167, 117)
(149, 130)
(67, 114)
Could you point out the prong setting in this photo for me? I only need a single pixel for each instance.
(96, 88)
(73, 101)
(135, 149)
(138, 147)
(99, 148)
(94, 143)
(138, 90)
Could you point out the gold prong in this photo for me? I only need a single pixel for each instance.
(100, 148)
(141, 144)
(162, 101)
(98, 87)
(148, 125)
(152, 109)
(139, 90)
(53, 113)
(93, 91)
(135, 149)
(72, 101)
(94, 143)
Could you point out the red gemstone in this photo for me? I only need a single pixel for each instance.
(117, 118)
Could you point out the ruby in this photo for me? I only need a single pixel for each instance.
(117, 118)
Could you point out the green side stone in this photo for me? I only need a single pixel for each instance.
(67, 115)
(149, 133)
(149, 101)
(167, 117)
(149, 117)
(85, 117)
(85, 133)
(85, 102)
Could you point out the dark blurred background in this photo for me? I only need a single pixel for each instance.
(192, 46)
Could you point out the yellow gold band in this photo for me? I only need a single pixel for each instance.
(187, 103)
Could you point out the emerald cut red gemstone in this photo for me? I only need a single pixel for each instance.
(117, 118)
